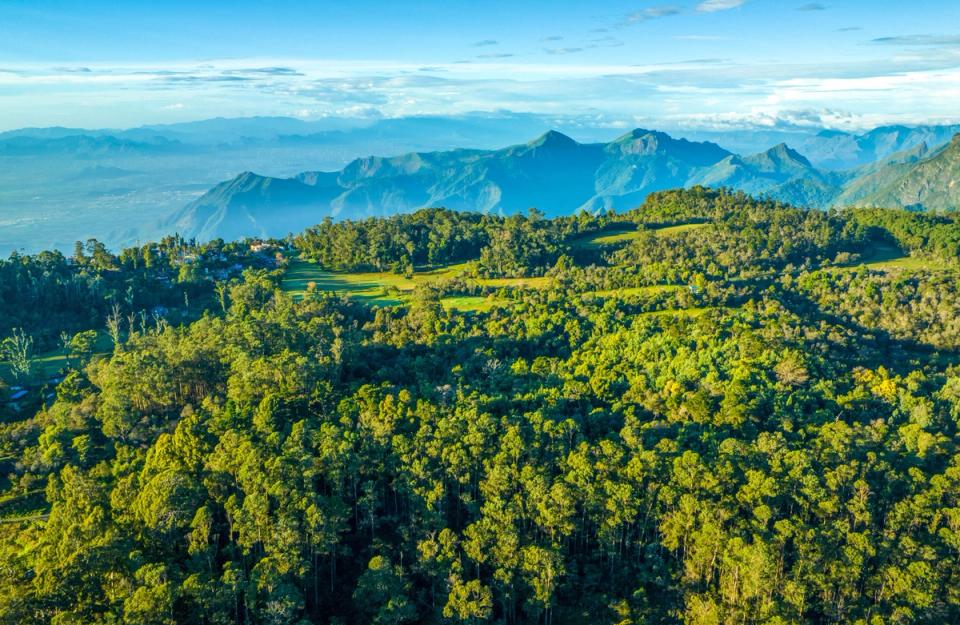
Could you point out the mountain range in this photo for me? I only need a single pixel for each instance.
(559, 175)
(920, 179)
(58, 184)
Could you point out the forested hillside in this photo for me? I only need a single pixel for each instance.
(707, 410)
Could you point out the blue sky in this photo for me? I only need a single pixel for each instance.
(698, 63)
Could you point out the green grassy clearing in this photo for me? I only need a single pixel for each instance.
(888, 258)
(47, 364)
(614, 237)
(672, 230)
(637, 291)
(471, 303)
(681, 312)
(389, 289)
(385, 289)
(626, 234)
(22, 507)
(517, 283)
(908, 263)
(607, 237)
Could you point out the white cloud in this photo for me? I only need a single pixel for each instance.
(920, 40)
(769, 119)
(918, 89)
(651, 13)
(710, 6)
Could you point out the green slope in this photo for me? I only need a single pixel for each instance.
(928, 184)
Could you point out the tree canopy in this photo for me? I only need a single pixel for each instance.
(742, 422)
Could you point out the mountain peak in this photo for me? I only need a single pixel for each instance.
(552, 139)
(782, 148)
(246, 179)
(636, 133)
(783, 153)
(650, 143)
(641, 141)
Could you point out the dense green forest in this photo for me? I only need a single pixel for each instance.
(708, 410)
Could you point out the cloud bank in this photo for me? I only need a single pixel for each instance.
(919, 86)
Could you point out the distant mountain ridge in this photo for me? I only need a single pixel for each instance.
(59, 184)
(558, 175)
(87, 146)
(825, 148)
(553, 173)
(924, 183)
(831, 149)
